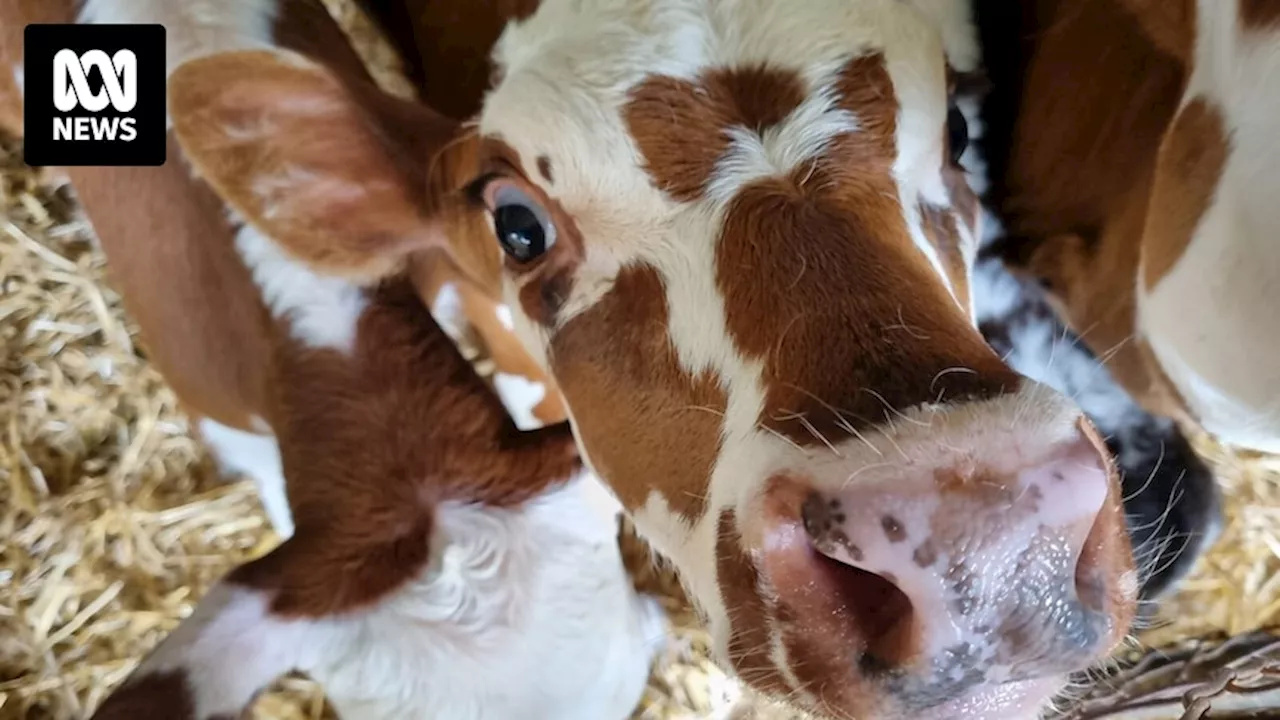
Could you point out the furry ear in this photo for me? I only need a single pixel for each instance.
(335, 172)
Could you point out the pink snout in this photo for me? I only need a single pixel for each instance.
(964, 578)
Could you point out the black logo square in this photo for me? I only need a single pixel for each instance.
(94, 95)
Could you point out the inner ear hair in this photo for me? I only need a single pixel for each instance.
(333, 169)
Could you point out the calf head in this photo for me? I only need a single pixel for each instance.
(738, 239)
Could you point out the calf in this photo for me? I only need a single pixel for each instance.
(1170, 497)
(1133, 147)
(1136, 168)
(737, 236)
(437, 560)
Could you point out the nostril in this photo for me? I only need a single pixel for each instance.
(881, 613)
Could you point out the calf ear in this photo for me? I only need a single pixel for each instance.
(333, 171)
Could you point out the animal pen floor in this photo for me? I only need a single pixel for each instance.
(113, 522)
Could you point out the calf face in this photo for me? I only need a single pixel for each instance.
(740, 241)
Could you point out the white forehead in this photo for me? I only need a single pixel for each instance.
(568, 69)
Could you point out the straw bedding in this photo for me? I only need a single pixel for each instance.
(113, 522)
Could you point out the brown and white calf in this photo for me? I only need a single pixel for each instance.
(437, 560)
(1137, 165)
(1171, 499)
(737, 237)
(1134, 152)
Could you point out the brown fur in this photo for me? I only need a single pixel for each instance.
(361, 220)
(1082, 237)
(366, 447)
(644, 422)
(940, 228)
(445, 45)
(1186, 178)
(858, 258)
(679, 126)
(373, 442)
(740, 588)
(1260, 14)
(161, 696)
(430, 274)
(1170, 24)
(204, 324)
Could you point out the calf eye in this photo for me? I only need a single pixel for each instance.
(521, 225)
(957, 133)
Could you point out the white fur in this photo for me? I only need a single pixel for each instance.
(525, 614)
(322, 311)
(801, 138)
(256, 455)
(446, 308)
(1206, 319)
(20, 77)
(504, 316)
(520, 396)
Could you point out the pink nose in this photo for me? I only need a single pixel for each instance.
(989, 575)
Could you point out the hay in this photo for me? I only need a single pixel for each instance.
(113, 522)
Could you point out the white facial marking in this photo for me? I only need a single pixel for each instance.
(446, 308)
(801, 138)
(504, 316)
(258, 457)
(520, 396)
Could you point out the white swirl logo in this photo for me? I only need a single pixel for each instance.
(71, 80)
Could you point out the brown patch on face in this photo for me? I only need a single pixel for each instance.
(858, 272)
(545, 282)
(1187, 173)
(647, 425)
(749, 622)
(872, 326)
(865, 89)
(940, 229)
(1260, 14)
(158, 695)
(368, 459)
(432, 273)
(680, 126)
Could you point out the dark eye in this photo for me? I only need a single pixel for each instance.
(957, 133)
(521, 225)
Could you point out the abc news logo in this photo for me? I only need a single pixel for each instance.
(95, 95)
